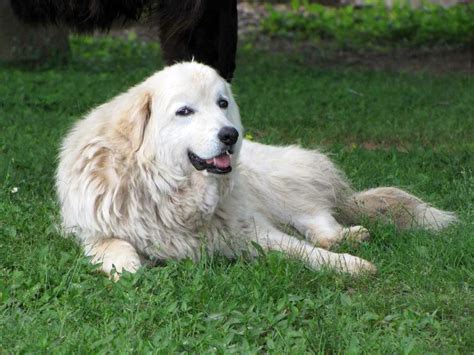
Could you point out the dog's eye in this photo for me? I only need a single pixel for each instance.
(223, 103)
(184, 111)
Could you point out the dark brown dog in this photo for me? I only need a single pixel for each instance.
(205, 30)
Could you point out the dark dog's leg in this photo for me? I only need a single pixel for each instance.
(227, 45)
(211, 38)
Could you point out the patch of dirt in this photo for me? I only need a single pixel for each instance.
(432, 60)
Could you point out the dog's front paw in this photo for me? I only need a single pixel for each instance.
(115, 257)
(115, 267)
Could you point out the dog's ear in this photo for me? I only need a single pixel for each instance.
(134, 118)
(233, 108)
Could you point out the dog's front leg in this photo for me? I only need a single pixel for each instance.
(113, 253)
(270, 238)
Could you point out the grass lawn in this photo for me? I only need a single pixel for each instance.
(413, 131)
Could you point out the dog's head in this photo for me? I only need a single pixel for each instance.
(186, 116)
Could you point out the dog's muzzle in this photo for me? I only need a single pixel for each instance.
(219, 164)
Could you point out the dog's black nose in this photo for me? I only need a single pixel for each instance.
(228, 135)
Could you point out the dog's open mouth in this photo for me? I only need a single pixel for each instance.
(220, 164)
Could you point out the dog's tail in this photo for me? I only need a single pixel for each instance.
(391, 204)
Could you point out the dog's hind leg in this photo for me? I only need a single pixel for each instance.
(322, 229)
(114, 254)
(272, 239)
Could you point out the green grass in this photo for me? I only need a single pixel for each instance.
(419, 129)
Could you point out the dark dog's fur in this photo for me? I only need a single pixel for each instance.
(205, 30)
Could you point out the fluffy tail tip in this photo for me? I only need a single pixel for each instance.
(433, 219)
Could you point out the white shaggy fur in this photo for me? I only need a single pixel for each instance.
(129, 193)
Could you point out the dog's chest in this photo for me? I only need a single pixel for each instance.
(176, 224)
(195, 202)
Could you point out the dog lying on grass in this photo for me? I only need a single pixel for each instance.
(161, 171)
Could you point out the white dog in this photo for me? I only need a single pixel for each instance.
(161, 172)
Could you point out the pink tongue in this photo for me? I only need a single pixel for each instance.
(221, 161)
